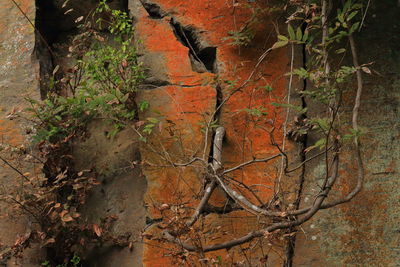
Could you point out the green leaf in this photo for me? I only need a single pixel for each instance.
(283, 38)
(340, 51)
(305, 36)
(267, 88)
(347, 5)
(354, 27)
(352, 14)
(340, 17)
(299, 34)
(320, 143)
(279, 44)
(143, 105)
(301, 72)
(292, 35)
(152, 120)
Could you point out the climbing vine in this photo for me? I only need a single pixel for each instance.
(323, 30)
(103, 85)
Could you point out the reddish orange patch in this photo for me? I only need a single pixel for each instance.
(185, 107)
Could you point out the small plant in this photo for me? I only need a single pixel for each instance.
(242, 37)
(75, 262)
(245, 35)
(103, 83)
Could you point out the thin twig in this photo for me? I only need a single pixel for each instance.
(284, 159)
(264, 232)
(307, 160)
(15, 169)
(365, 14)
(251, 162)
(226, 99)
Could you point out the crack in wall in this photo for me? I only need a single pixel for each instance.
(303, 142)
(216, 118)
(202, 57)
(54, 32)
(45, 35)
(154, 10)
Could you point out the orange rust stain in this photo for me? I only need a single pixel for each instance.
(10, 133)
(186, 107)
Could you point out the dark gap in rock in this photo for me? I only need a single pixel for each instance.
(202, 57)
(229, 207)
(56, 26)
(208, 57)
(151, 221)
(45, 35)
(55, 29)
(303, 140)
(218, 101)
(152, 83)
(154, 10)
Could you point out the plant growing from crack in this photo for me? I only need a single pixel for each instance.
(322, 38)
(101, 85)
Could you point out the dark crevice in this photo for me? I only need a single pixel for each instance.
(151, 221)
(155, 84)
(56, 26)
(151, 83)
(202, 57)
(216, 118)
(53, 33)
(229, 207)
(53, 30)
(303, 142)
(45, 35)
(154, 10)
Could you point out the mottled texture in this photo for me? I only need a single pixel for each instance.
(17, 80)
(187, 104)
(366, 232)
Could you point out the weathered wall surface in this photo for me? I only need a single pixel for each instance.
(190, 99)
(120, 193)
(18, 79)
(365, 232)
(183, 95)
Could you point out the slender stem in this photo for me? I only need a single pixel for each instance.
(15, 169)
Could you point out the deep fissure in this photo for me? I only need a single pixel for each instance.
(54, 30)
(202, 57)
(303, 142)
(154, 10)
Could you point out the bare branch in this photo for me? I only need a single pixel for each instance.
(357, 102)
(307, 160)
(216, 165)
(15, 169)
(210, 188)
(276, 226)
(187, 163)
(251, 162)
(217, 148)
(226, 99)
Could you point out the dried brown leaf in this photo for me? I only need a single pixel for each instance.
(97, 230)
(79, 19)
(49, 241)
